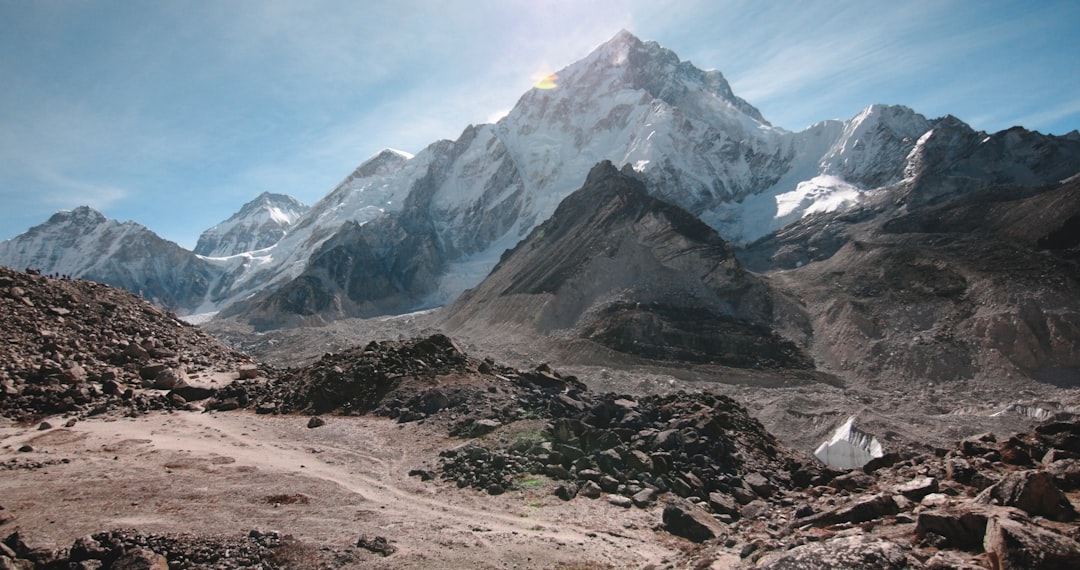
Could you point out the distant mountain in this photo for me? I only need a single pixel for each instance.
(620, 268)
(259, 224)
(83, 243)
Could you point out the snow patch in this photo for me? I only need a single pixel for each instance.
(820, 194)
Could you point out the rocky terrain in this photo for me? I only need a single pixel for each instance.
(412, 453)
(80, 348)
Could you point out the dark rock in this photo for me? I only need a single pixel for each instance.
(852, 481)
(315, 422)
(590, 490)
(377, 544)
(1017, 544)
(860, 510)
(1034, 492)
(690, 522)
(44, 426)
(566, 492)
(423, 474)
(962, 526)
(760, 485)
(621, 501)
(151, 371)
(644, 498)
(724, 504)
(887, 460)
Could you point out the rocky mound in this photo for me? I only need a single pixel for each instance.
(79, 347)
(619, 268)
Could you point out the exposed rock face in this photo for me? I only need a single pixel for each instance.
(83, 348)
(966, 288)
(259, 224)
(634, 274)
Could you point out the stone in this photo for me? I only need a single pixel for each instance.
(247, 372)
(620, 501)
(168, 379)
(917, 489)
(315, 422)
(590, 490)
(1016, 544)
(1066, 473)
(754, 509)
(689, 522)
(852, 481)
(962, 526)
(483, 427)
(141, 559)
(724, 504)
(644, 498)
(760, 485)
(150, 371)
(566, 492)
(860, 510)
(1034, 492)
(377, 544)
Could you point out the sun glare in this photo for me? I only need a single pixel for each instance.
(549, 81)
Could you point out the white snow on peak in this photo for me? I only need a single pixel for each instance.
(848, 448)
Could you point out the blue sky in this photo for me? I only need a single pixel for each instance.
(175, 113)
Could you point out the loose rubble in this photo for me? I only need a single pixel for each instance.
(81, 348)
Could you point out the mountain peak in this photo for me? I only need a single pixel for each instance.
(83, 215)
(258, 224)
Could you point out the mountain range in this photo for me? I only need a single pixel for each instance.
(722, 209)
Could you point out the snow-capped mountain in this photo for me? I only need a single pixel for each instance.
(259, 224)
(84, 243)
(405, 231)
(692, 141)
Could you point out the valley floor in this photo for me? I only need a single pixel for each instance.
(225, 474)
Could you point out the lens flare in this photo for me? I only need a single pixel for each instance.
(548, 81)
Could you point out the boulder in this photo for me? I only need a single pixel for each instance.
(1034, 492)
(860, 510)
(1015, 544)
(690, 522)
(962, 526)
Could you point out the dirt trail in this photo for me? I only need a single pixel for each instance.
(233, 472)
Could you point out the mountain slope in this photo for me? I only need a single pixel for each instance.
(259, 224)
(622, 269)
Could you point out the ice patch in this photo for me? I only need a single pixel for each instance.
(848, 448)
(820, 194)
